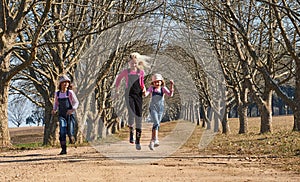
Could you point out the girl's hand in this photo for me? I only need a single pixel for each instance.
(172, 86)
(53, 112)
(171, 82)
(69, 112)
(116, 94)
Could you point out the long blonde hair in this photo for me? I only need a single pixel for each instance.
(141, 59)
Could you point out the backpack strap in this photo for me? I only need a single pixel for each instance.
(128, 70)
(67, 93)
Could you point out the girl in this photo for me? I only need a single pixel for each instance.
(135, 87)
(66, 103)
(157, 90)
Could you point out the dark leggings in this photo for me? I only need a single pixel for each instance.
(135, 107)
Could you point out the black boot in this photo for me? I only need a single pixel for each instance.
(138, 137)
(72, 140)
(63, 149)
(131, 133)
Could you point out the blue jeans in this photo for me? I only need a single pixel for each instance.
(156, 113)
(66, 127)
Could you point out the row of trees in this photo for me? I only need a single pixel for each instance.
(254, 52)
(41, 40)
(257, 46)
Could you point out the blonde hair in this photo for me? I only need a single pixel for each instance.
(141, 60)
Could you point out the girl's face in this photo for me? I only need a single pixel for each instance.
(157, 83)
(133, 63)
(64, 85)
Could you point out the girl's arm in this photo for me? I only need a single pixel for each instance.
(150, 90)
(74, 100)
(120, 77)
(142, 77)
(55, 105)
(171, 91)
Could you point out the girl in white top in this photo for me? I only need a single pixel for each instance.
(65, 103)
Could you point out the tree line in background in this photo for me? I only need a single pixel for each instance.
(256, 44)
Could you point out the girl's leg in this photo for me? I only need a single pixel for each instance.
(156, 127)
(130, 105)
(62, 135)
(151, 145)
(138, 137)
(131, 134)
(71, 128)
(138, 127)
(155, 118)
(130, 124)
(138, 120)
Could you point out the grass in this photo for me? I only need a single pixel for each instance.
(282, 142)
(28, 146)
(280, 147)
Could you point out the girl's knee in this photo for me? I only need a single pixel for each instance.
(155, 126)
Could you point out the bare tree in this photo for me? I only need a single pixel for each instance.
(71, 30)
(245, 39)
(287, 11)
(38, 116)
(13, 25)
(18, 111)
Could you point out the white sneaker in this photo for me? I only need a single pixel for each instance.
(156, 143)
(151, 145)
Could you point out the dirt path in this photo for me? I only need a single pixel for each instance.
(87, 164)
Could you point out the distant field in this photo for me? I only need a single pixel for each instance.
(33, 134)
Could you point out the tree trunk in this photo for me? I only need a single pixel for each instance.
(102, 129)
(225, 125)
(204, 116)
(198, 117)
(4, 133)
(296, 109)
(209, 117)
(242, 112)
(266, 119)
(296, 120)
(266, 110)
(192, 113)
(51, 127)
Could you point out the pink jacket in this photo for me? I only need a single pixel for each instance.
(124, 74)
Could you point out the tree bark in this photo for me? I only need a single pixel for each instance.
(51, 130)
(295, 108)
(243, 118)
(296, 120)
(225, 124)
(4, 133)
(266, 113)
(198, 117)
(266, 119)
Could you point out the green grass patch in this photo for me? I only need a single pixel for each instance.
(28, 146)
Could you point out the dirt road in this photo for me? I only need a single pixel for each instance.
(87, 164)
